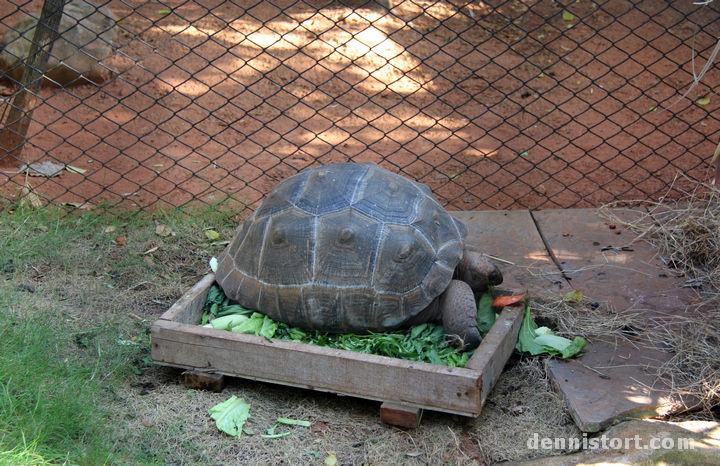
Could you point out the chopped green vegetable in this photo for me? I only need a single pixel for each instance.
(294, 422)
(526, 338)
(577, 345)
(230, 415)
(553, 341)
(486, 313)
(234, 309)
(425, 342)
(227, 322)
(268, 327)
(284, 434)
(541, 340)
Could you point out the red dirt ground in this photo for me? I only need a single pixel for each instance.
(493, 106)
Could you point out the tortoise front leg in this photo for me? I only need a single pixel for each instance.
(459, 314)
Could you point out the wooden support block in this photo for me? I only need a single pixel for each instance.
(204, 380)
(399, 415)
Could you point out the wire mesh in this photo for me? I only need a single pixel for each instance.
(497, 104)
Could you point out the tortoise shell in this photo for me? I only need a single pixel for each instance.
(343, 248)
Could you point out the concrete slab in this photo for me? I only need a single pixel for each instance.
(621, 273)
(512, 238)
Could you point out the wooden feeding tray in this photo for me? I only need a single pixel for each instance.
(404, 386)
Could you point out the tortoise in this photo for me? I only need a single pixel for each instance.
(354, 248)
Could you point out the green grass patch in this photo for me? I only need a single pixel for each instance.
(77, 303)
(54, 389)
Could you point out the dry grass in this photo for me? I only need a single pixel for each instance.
(687, 234)
(584, 319)
(172, 422)
(694, 369)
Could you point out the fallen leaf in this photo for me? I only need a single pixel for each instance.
(514, 409)
(109, 229)
(164, 12)
(574, 296)
(414, 454)
(158, 165)
(28, 198)
(213, 264)
(567, 16)
(146, 422)
(703, 100)
(46, 168)
(164, 230)
(212, 235)
(148, 260)
(151, 250)
(331, 459)
(502, 301)
(80, 205)
(72, 169)
(120, 240)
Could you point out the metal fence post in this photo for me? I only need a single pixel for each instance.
(12, 137)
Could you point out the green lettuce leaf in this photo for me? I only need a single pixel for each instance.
(553, 341)
(526, 338)
(577, 345)
(230, 415)
(486, 313)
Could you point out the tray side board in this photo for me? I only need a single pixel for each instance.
(178, 341)
(497, 346)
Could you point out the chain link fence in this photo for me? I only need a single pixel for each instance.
(497, 104)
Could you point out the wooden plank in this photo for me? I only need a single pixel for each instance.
(368, 376)
(399, 415)
(512, 237)
(188, 309)
(489, 359)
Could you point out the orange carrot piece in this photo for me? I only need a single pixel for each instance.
(502, 301)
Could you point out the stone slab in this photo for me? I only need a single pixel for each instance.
(512, 240)
(622, 274)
